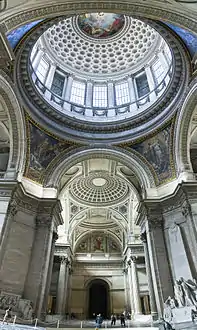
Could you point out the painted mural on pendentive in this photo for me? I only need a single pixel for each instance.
(98, 243)
(157, 151)
(17, 34)
(43, 148)
(100, 25)
(188, 38)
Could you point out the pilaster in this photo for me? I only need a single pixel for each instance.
(159, 261)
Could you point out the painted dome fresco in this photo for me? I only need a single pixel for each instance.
(101, 25)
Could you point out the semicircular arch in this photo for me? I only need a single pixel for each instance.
(16, 125)
(131, 159)
(183, 130)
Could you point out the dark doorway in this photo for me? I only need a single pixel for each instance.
(98, 298)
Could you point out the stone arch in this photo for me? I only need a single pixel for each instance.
(16, 128)
(128, 158)
(183, 130)
(100, 280)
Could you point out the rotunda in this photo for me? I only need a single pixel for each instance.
(98, 161)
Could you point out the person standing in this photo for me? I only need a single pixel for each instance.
(122, 320)
(99, 321)
(113, 319)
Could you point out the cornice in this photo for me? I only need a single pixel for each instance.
(171, 12)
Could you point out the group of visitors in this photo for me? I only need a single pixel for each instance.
(121, 318)
(99, 320)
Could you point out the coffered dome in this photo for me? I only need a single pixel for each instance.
(99, 188)
(86, 44)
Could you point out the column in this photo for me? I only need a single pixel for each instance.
(38, 58)
(49, 80)
(61, 285)
(136, 293)
(125, 272)
(110, 92)
(151, 83)
(68, 88)
(89, 94)
(65, 300)
(36, 282)
(45, 305)
(132, 94)
(130, 288)
(149, 276)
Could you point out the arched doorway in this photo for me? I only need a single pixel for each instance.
(98, 298)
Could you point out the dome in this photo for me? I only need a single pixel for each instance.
(99, 188)
(132, 42)
(100, 73)
(106, 65)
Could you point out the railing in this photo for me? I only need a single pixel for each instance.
(101, 112)
(59, 323)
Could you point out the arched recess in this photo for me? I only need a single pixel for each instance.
(15, 127)
(128, 158)
(88, 285)
(4, 143)
(183, 128)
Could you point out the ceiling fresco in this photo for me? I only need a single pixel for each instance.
(100, 25)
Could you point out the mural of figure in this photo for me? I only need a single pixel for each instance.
(98, 244)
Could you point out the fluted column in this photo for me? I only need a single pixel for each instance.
(62, 285)
(55, 236)
(130, 287)
(149, 276)
(125, 272)
(65, 300)
(136, 293)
